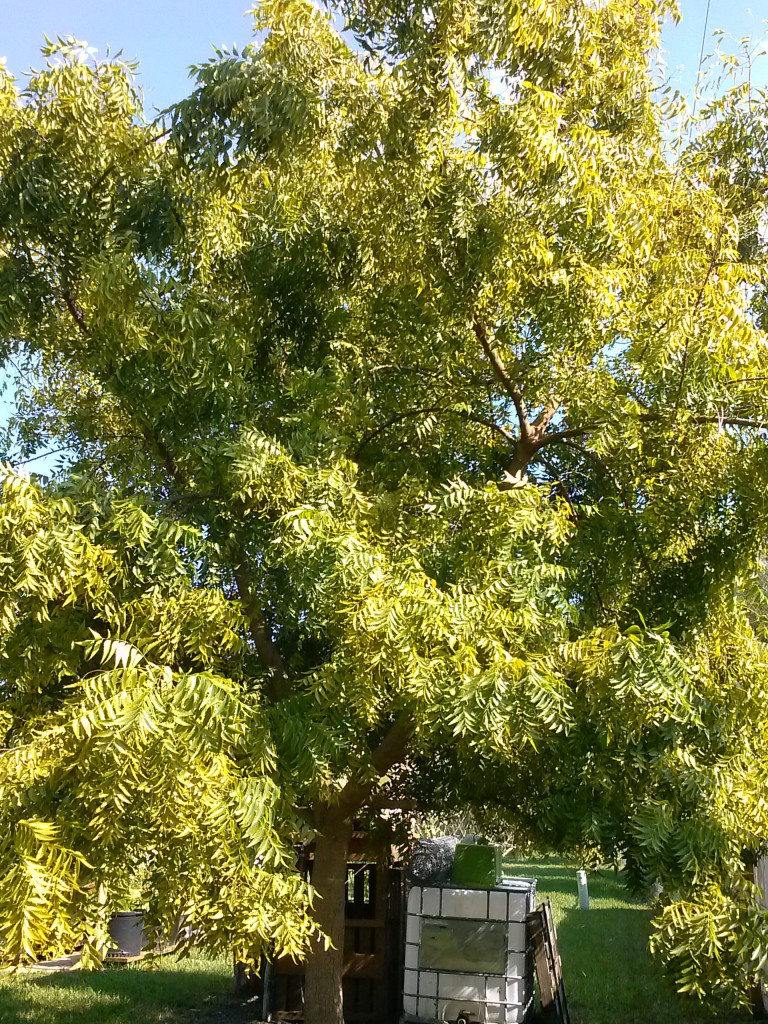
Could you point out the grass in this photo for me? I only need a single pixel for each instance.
(610, 976)
(165, 991)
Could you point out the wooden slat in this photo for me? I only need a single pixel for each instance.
(371, 959)
(364, 965)
(549, 968)
(540, 959)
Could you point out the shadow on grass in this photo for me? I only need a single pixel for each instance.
(122, 996)
(610, 975)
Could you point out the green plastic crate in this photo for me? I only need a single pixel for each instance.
(476, 866)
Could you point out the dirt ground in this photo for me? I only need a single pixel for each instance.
(229, 1009)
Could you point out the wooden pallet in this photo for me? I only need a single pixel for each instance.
(371, 951)
(59, 966)
(65, 964)
(549, 968)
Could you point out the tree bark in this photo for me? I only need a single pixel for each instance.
(324, 967)
(322, 980)
(279, 684)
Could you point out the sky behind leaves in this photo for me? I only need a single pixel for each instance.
(166, 36)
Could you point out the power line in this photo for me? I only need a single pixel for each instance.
(701, 57)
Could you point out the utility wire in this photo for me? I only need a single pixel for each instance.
(701, 59)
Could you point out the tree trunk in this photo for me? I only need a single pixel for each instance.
(322, 985)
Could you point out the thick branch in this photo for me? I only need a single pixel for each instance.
(269, 655)
(729, 421)
(564, 435)
(355, 794)
(258, 628)
(574, 432)
(500, 370)
(544, 418)
(393, 746)
(76, 313)
(385, 803)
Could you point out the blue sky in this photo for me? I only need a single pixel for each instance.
(169, 35)
(683, 42)
(166, 36)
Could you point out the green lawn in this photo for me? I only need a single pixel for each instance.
(610, 976)
(165, 991)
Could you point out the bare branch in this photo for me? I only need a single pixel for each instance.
(42, 455)
(565, 435)
(390, 751)
(426, 410)
(267, 650)
(393, 421)
(573, 432)
(544, 418)
(514, 392)
(733, 421)
(75, 312)
(491, 424)
(392, 747)
(385, 803)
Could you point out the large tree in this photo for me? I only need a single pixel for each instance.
(455, 369)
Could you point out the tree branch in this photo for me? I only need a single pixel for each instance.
(385, 803)
(167, 457)
(544, 418)
(373, 434)
(733, 421)
(392, 747)
(76, 313)
(390, 751)
(500, 370)
(697, 304)
(649, 417)
(586, 453)
(496, 427)
(438, 407)
(564, 435)
(266, 648)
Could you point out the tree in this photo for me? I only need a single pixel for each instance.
(130, 750)
(454, 372)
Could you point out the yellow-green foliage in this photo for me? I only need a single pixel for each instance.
(126, 750)
(431, 375)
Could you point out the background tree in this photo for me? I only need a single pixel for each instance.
(330, 312)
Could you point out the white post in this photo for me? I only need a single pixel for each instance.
(581, 881)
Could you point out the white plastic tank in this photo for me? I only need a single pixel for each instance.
(467, 955)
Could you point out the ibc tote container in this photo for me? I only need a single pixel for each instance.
(466, 953)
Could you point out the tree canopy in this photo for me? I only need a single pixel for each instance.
(422, 383)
